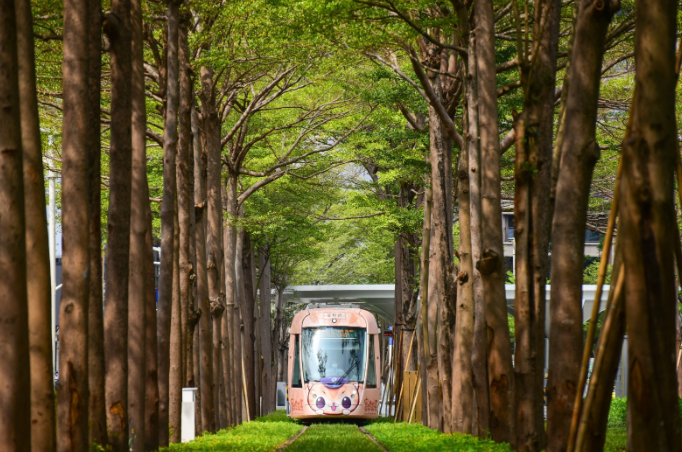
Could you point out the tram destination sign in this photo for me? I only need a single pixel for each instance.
(334, 315)
(338, 333)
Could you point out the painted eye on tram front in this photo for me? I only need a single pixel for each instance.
(320, 402)
(345, 402)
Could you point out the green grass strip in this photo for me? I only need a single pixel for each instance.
(404, 437)
(336, 436)
(262, 435)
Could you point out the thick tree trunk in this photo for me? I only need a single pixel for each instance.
(97, 409)
(137, 296)
(72, 434)
(176, 351)
(43, 428)
(441, 298)
(579, 154)
(184, 199)
(648, 229)
(211, 127)
(208, 415)
(491, 262)
(249, 323)
(118, 229)
(531, 207)
(151, 407)
(462, 372)
(479, 354)
(266, 381)
(168, 215)
(15, 423)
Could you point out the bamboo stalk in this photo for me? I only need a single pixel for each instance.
(409, 353)
(414, 400)
(246, 399)
(595, 313)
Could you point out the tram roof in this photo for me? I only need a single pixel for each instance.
(380, 298)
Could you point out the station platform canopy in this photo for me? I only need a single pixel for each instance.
(380, 298)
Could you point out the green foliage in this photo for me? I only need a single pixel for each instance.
(328, 436)
(404, 437)
(263, 434)
(618, 412)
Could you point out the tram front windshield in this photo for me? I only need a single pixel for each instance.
(333, 352)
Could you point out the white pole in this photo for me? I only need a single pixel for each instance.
(51, 240)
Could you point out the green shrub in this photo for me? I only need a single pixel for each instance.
(618, 412)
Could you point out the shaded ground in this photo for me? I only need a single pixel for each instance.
(272, 431)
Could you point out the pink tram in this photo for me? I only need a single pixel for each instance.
(334, 364)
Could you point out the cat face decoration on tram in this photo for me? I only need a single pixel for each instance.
(333, 396)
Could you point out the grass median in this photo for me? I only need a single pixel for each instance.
(262, 435)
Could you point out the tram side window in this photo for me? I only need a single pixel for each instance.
(296, 378)
(371, 365)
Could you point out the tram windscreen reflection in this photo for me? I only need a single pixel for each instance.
(330, 352)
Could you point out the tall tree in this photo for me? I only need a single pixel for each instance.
(137, 295)
(184, 179)
(534, 131)
(97, 409)
(43, 428)
(491, 263)
(117, 26)
(648, 229)
(168, 214)
(579, 154)
(15, 422)
(72, 393)
(214, 241)
(151, 393)
(205, 347)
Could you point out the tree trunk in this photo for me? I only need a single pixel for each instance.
(118, 229)
(647, 224)
(137, 295)
(441, 296)
(96, 410)
(579, 154)
(43, 429)
(217, 310)
(184, 199)
(214, 246)
(531, 206)
(267, 386)
(151, 408)
(15, 423)
(176, 351)
(479, 354)
(462, 373)
(241, 300)
(424, 348)
(208, 415)
(594, 421)
(491, 262)
(229, 357)
(73, 320)
(249, 323)
(168, 214)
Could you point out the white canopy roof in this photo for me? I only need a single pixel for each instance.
(379, 298)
